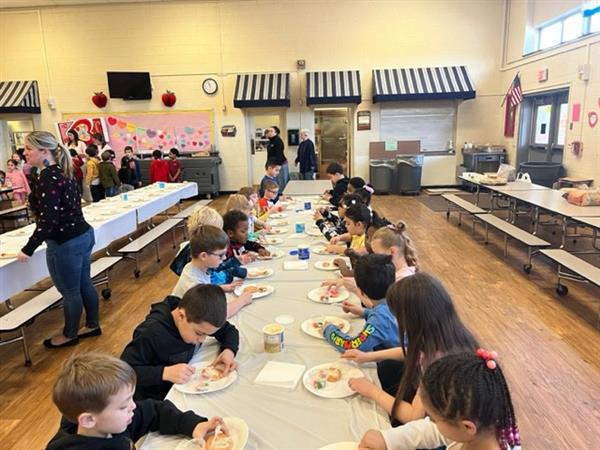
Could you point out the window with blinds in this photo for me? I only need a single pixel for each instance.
(433, 123)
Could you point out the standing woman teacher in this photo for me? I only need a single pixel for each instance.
(306, 157)
(56, 203)
(275, 153)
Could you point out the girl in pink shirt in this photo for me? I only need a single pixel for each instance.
(393, 240)
(18, 180)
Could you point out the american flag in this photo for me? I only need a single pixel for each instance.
(514, 96)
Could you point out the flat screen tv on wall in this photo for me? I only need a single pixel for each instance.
(129, 85)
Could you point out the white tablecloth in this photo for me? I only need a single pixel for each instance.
(307, 187)
(278, 418)
(111, 219)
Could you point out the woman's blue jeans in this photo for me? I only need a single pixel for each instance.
(69, 267)
(284, 176)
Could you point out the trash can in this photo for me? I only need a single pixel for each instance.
(381, 175)
(544, 173)
(408, 174)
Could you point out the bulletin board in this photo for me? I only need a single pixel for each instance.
(190, 131)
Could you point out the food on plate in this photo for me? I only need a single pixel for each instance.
(324, 376)
(319, 324)
(258, 272)
(211, 373)
(327, 264)
(255, 289)
(218, 442)
(332, 292)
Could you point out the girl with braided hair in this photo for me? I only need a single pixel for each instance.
(468, 405)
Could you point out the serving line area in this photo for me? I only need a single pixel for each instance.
(277, 416)
(535, 201)
(112, 219)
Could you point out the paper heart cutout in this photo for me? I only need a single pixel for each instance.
(189, 130)
(112, 121)
(150, 133)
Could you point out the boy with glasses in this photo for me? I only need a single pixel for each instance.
(208, 249)
(165, 342)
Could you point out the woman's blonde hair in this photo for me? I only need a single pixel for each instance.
(204, 215)
(43, 140)
(395, 236)
(238, 201)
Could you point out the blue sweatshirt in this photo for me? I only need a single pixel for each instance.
(380, 332)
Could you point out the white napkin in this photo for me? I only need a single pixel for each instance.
(295, 265)
(280, 374)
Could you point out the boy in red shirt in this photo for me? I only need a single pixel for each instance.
(159, 168)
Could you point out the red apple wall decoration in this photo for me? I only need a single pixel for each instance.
(99, 99)
(169, 98)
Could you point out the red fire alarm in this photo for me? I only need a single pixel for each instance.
(542, 75)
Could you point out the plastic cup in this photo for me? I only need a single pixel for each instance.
(307, 205)
(300, 227)
(273, 338)
(303, 252)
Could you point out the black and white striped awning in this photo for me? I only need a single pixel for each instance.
(333, 87)
(422, 84)
(19, 97)
(262, 89)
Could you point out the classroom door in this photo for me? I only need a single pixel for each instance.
(257, 122)
(546, 139)
(332, 138)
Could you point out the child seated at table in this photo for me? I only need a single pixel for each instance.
(374, 274)
(242, 203)
(208, 246)
(339, 181)
(354, 184)
(468, 404)
(235, 224)
(94, 393)
(332, 225)
(431, 328)
(266, 205)
(164, 343)
(272, 169)
(392, 240)
(357, 220)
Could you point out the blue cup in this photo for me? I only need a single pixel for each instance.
(300, 227)
(303, 252)
(124, 196)
(307, 205)
(161, 185)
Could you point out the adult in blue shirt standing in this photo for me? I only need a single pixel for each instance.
(306, 157)
(275, 153)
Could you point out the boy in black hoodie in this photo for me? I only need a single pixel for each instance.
(166, 340)
(335, 172)
(94, 392)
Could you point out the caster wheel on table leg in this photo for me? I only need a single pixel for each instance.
(106, 294)
(562, 290)
(527, 268)
(136, 273)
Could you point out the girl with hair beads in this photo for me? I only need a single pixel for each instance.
(431, 328)
(392, 240)
(468, 405)
(332, 225)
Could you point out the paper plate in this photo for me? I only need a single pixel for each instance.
(265, 290)
(312, 326)
(278, 216)
(274, 255)
(110, 212)
(341, 446)
(7, 255)
(331, 389)
(278, 223)
(328, 266)
(314, 232)
(278, 231)
(256, 273)
(320, 250)
(18, 233)
(238, 433)
(199, 385)
(319, 295)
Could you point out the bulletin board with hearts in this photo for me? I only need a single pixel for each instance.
(190, 131)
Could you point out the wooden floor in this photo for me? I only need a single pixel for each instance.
(549, 346)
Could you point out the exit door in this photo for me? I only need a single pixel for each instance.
(332, 138)
(256, 124)
(548, 127)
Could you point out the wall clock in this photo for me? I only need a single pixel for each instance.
(210, 86)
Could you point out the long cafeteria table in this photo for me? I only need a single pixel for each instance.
(112, 219)
(307, 187)
(280, 418)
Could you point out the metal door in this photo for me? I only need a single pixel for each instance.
(256, 123)
(332, 127)
(548, 127)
